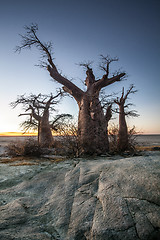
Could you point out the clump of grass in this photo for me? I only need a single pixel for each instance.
(113, 133)
(66, 146)
(28, 148)
(148, 148)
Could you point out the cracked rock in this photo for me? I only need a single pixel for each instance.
(99, 199)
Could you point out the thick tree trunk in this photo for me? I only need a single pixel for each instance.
(45, 134)
(123, 131)
(92, 127)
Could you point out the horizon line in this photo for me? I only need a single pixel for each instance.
(18, 134)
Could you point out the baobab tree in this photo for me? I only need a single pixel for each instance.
(123, 136)
(39, 108)
(92, 120)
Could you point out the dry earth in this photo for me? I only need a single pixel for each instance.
(81, 199)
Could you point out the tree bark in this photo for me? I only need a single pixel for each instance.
(92, 124)
(122, 143)
(92, 127)
(45, 134)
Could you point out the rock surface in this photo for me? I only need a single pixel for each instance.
(98, 199)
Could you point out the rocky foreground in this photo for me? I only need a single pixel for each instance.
(96, 199)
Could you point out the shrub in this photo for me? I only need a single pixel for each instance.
(113, 133)
(28, 147)
(67, 140)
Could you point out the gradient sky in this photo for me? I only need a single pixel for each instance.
(81, 31)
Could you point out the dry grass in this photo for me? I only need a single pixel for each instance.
(24, 164)
(29, 161)
(19, 161)
(10, 160)
(27, 148)
(147, 148)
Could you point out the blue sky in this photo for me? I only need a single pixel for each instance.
(81, 31)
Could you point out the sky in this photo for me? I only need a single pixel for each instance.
(81, 31)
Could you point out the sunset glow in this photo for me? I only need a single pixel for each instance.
(16, 134)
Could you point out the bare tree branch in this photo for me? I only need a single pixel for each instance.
(122, 100)
(31, 39)
(90, 79)
(59, 121)
(105, 81)
(105, 66)
(105, 63)
(37, 104)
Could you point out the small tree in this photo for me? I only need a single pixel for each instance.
(123, 136)
(38, 108)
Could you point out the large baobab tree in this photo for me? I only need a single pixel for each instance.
(39, 108)
(92, 120)
(123, 136)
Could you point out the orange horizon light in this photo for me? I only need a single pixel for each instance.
(16, 134)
